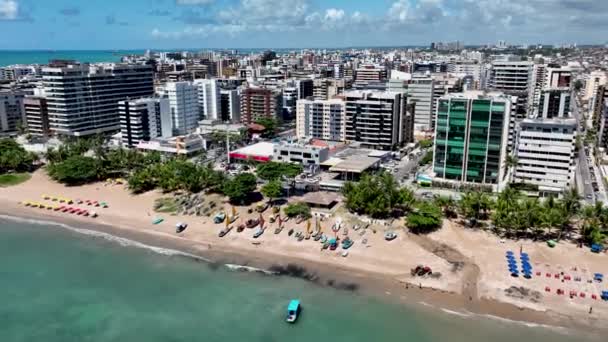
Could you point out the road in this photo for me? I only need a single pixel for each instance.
(583, 174)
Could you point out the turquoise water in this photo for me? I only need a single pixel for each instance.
(9, 57)
(58, 285)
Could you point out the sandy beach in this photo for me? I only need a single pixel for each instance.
(474, 276)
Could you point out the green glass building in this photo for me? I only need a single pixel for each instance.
(471, 136)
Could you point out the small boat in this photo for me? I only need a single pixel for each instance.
(278, 230)
(158, 220)
(260, 208)
(219, 217)
(290, 232)
(325, 245)
(300, 219)
(298, 234)
(286, 218)
(293, 310)
(224, 231)
(356, 227)
(301, 237)
(252, 223)
(323, 239)
(336, 227)
(333, 244)
(180, 227)
(93, 214)
(345, 254)
(345, 231)
(258, 232)
(272, 218)
(240, 228)
(347, 243)
(389, 236)
(317, 237)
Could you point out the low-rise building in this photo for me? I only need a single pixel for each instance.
(180, 145)
(304, 154)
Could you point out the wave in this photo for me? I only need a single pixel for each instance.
(124, 242)
(457, 313)
(528, 324)
(243, 268)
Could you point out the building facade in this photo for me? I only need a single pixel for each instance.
(230, 105)
(321, 119)
(379, 120)
(421, 91)
(300, 153)
(257, 103)
(144, 119)
(82, 99)
(12, 112)
(37, 116)
(471, 136)
(208, 99)
(546, 154)
(184, 106)
(554, 103)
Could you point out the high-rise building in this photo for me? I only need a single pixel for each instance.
(257, 103)
(327, 88)
(369, 74)
(230, 105)
(554, 103)
(379, 120)
(513, 78)
(471, 134)
(545, 154)
(594, 80)
(421, 91)
(321, 119)
(305, 88)
(184, 106)
(82, 99)
(208, 98)
(144, 119)
(37, 116)
(12, 113)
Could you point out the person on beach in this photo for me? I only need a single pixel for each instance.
(590, 309)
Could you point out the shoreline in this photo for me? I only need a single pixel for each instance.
(378, 286)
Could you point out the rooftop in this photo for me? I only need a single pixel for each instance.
(320, 198)
(355, 164)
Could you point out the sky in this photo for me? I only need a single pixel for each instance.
(157, 24)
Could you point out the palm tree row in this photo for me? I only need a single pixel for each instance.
(514, 215)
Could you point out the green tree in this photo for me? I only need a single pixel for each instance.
(240, 187)
(448, 205)
(141, 181)
(475, 206)
(377, 195)
(427, 159)
(425, 219)
(297, 209)
(272, 190)
(275, 170)
(76, 170)
(270, 126)
(426, 143)
(14, 158)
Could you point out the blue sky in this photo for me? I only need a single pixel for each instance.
(132, 24)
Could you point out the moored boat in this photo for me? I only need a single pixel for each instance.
(219, 217)
(347, 243)
(293, 311)
(388, 236)
(180, 227)
(240, 228)
(258, 232)
(252, 223)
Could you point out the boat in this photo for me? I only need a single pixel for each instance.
(345, 231)
(260, 208)
(278, 230)
(318, 237)
(258, 232)
(93, 214)
(240, 228)
(301, 237)
(356, 227)
(224, 231)
(286, 218)
(219, 217)
(290, 232)
(325, 245)
(336, 227)
(333, 244)
(293, 310)
(389, 236)
(298, 234)
(272, 218)
(347, 243)
(180, 227)
(345, 254)
(252, 223)
(157, 220)
(300, 219)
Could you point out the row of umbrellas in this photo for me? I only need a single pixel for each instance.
(526, 267)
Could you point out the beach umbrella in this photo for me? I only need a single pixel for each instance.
(509, 252)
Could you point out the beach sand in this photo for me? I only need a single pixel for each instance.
(472, 263)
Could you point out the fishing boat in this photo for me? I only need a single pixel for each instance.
(290, 232)
(356, 227)
(180, 227)
(323, 239)
(157, 220)
(301, 237)
(389, 236)
(298, 234)
(219, 217)
(272, 218)
(293, 310)
(252, 223)
(278, 230)
(258, 232)
(325, 245)
(345, 231)
(345, 254)
(260, 208)
(333, 244)
(225, 231)
(240, 228)
(336, 226)
(233, 217)
(317, 237)
(347, 243)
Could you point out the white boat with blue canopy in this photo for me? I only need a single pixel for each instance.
(293, 310)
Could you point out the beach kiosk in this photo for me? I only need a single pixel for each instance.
(293, 310)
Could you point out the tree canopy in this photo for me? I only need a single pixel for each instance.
(76, 170)
(240, 187)
(276, 170)
(14, 158)
(297, 209)
(270, 126)
(272, 189)
(426, 218)
(378, 196)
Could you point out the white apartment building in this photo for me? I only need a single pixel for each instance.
(82, 99)
(184, 106)
(420, 91)
(369, 73)
(321, 119)
(594, 80)
(12, 111)
(545, 154)
(208, 98)
(144, 119)
(511, 77)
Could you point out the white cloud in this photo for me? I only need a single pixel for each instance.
(9, 10)
(334, 14)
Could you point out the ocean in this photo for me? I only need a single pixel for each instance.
(57, 284)
(10, 57)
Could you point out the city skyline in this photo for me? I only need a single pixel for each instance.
(166, 24)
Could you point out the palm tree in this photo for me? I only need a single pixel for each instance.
(571, 202)
(447, 204)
